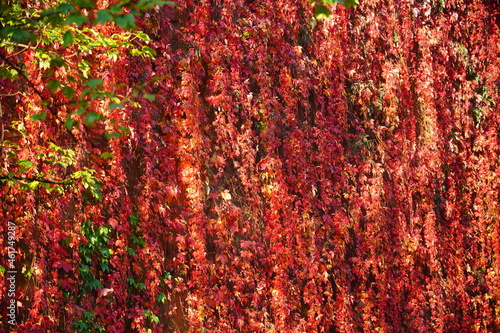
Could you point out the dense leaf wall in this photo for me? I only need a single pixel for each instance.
(292, 175)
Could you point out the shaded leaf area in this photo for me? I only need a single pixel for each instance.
(280, 174)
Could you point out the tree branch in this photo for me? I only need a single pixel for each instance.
(40, 180)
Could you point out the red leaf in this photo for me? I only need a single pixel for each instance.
(113, 223)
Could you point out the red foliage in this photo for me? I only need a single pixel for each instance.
(291, 176)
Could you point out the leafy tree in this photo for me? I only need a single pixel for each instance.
(58, 33)
(59, 79)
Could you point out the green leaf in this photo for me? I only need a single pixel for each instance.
(143, 36)
(149, 97)
(124, 130)
(346, 3)
(113, 135)
(25, 164)
(76, 18)
(145, 51)
(94, 83)
(54, 85)
(106, 155)
(95, 284)
(68, 92)
(88, 315)
(135, 53)
(84, 4)
(97, 95)
(116, 9)
(39, 116)
(350, 3)
(17, 35)
(53, 17)
(152, 316)
(8, 73)
(85, 93)
(161, 298)
(145, 4)
(92, 118)
(68, 38)
(115, 106)
(84, 66)
(126, 21)
(65, 8)
(321, 12)
(33, 185)
(44, 63)
(148, 52)
(70, 123)
(57, 61)
(105, 267)
(148, 4)
(103, 16)
(134, 218)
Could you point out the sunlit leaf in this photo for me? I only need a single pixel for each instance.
(321, 12)
(106, 155)
(351, 3)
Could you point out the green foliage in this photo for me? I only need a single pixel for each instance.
(42, 171)
(59, 34)
(151, 316)
(349, 3)
(87, 325)
(161, 298)
(321, 11)
(94, 253)
(89, 181)
(48, 30)
(133, 284)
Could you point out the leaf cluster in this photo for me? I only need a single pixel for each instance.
(321, 10)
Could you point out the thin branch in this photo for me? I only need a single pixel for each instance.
(40, 180)
(20, 71)
(25, 46)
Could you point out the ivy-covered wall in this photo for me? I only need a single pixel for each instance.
(269, 173)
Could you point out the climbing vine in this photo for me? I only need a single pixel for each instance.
(251, 167)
